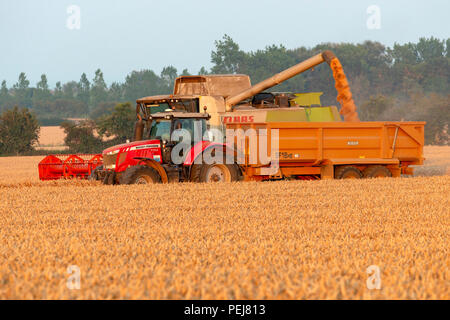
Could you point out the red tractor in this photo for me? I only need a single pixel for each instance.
(150, 158)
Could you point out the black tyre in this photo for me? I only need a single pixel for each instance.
(195, 173)
(94, 173)
(140, 175)
(347, 172)
(377, 172)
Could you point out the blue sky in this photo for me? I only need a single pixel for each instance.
(121, 36)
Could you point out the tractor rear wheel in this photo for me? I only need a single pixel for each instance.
(195, 173)
(377, 172)
(347, 172)
(140, 175)
(218, 173)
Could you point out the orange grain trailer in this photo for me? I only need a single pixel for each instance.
(327, 150)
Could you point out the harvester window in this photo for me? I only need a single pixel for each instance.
(185, 105)
(149, 109)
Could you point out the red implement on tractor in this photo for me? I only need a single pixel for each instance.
(54, 167)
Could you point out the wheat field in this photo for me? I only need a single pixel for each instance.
(270, 240)
(51, 138)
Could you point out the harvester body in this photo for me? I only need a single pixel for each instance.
(227, 96)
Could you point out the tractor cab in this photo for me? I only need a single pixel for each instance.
(173, 128)
(155, 138)
(162, 125)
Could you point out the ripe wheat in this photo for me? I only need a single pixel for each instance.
(270, 240)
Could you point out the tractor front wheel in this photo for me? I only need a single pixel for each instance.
(94, 173)
(140, 175)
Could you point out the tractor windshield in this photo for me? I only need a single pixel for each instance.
(195, 127)
(160, 129)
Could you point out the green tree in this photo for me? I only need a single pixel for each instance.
(70, 90)
(22, 92)
(43, 84)
(168, 76)
(98, 90)
(141, 84)
(404, 54)
(203, 71)
(4, 90)
(42, 91)
(22, 83)
(84, 88)
(102, 109)
(115, 92)
(432, 108)
(19, 130)
(227, 57)
(120, 123)
(447, 48)
(80, 137)
(70, 108)
(374, 108)
(185, 72)
(430, 48)
(58, 90)
(4, 95)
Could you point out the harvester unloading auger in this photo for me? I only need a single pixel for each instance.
(348, 108)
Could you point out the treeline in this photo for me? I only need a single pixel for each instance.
(85, 98)
(405, 82)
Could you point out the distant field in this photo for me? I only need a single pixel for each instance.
(437, 161)
(269, 240)
(52, 138)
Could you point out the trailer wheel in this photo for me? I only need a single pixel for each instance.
(140, 175)
(347, 172)
(377, 172)
(218, 173)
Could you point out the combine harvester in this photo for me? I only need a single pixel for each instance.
(313, 142)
